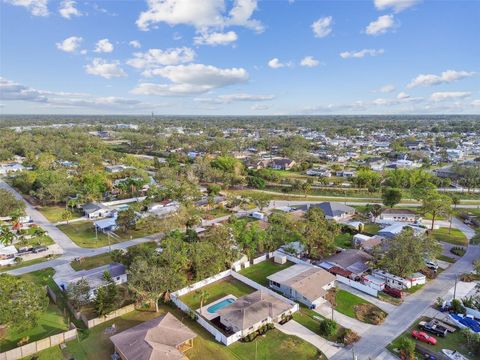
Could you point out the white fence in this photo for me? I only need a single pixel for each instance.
(202, 283)
(357, 285)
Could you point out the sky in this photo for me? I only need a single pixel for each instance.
(239, 57)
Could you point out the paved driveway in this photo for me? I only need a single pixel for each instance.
(294, 328)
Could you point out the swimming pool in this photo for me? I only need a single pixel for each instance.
(221, 304)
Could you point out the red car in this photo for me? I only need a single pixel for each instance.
(421, 336)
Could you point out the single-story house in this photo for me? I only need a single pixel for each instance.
(116, 168)
(11, 167)
(367, 245)
(352, 260)
(396, 228)
(162, 338)
(250, 312)
(399, 215)
(334, 210)
(307, 284)
(282, 164)
(95, 277)
(319, 172)
(106, 225)
(96, 210)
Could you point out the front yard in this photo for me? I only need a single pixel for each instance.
(54, 213)
(344, 240)
(261, 271)
(83, 234)
(217, 290)
(358, 308)
(454, 236)
(453, 341)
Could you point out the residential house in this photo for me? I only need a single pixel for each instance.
(10, 168)
(96, 210)
(116, 168)
(454, 154)
(307, 284)
(334, 210)
(7, 254)
(282, 164)
(250, 312)
(106, 225)
(356, 261)
(396, 228)
(414, 145)
(162, 338)
(319, 172)
(95, 277)
(399, 215)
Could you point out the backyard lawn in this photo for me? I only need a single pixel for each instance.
(358, 308)
(371, 228)
(83, 234)
(454, 236)
(217, 290)
(50, 323)
(453, 341)
(344, 240)
(260, 271)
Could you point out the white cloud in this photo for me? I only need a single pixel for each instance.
(309, 61)
(135, 43)
(445, 77)
(275, 63)
(402, 95)
(388, 88)
(158, 57)
(381, 25)
(12, 91)
(229, 98)
(361, 53)
(202, 15)
(36, 7)
(322, 27)
(396, 5)
(259, 107)
(103, 46)
(68, 9)
(449, 95)
(191, 79)
(107, 70)
(70, 44)
(215, 38)
(476, 103)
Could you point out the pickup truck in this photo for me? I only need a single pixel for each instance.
(434, 329)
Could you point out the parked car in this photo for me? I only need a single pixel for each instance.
(432, 265)
(424, 337)
(397, 293)
(39, 249)
(433, 328)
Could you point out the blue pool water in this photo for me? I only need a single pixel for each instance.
(214, 308)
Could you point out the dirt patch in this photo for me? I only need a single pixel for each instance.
(370, 314)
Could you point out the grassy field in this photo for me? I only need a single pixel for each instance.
(26, 263)
(348, 303)
(51, 322)
(454, 236)
(344, 240)
(87, 263)
(217, 290)
(54, 213)
(274, 345)
(83, 234)
(371, 228)
(259, 272)
(453, 341)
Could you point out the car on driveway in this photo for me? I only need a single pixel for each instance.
(424, 337)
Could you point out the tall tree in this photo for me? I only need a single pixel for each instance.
(436, 205)
(9, 204)
(391, 196)
(318, 234)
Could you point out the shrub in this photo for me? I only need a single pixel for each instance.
(458, 250)
(406, 346)
(250, 337)
(457, 306)
(349, 337)
(429, 273)
(328, 327)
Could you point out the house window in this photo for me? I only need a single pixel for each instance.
(273, 283)
(118, 278)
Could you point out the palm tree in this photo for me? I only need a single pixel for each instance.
(6, 236)
(203, 295)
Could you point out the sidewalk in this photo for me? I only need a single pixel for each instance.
(294, 328)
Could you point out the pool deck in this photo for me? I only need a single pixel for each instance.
(209, 316)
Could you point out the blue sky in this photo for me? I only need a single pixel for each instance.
(239, 57)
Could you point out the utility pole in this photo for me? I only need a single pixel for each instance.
(455, 288)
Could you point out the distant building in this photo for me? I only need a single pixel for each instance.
(399, 215)
(282, 164)
(333, 210)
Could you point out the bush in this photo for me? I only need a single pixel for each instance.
(458, 250)
(349, 337)
(328, 327)
(457, 306)
(250, 337)
(429, 273)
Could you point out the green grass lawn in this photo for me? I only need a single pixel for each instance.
(446, 258)
(371, 228)
(346, 304)
(344, 240)
(454, 236)
(51, 322)
(87, 263)
(259, 272)
(216, 213)
(54, 213)
(53, 353)
(83, 234)
(453, 341)
(26, 263)
(216, 291)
